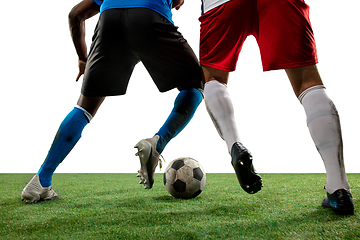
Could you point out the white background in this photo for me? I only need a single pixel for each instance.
(38, 89)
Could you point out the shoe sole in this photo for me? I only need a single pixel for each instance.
(341, 210)
(29, 198)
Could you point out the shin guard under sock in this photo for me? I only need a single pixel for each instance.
(67, 136)
(220, 108)
(324, 125)
(185, 106)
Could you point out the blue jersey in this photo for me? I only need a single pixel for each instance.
(161, 6)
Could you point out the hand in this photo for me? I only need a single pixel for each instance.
(82, 66)
(177, 4)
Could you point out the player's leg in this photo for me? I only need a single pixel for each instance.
(325, 129)
(68, 134)
(302, 78)
(222, 33)
(219, 105)
(292, 47)
(218, 56)
(171, 63)
(185, 105)
(107, 73)
(220, 108)
(149, 150)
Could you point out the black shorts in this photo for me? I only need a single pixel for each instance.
(122, 38)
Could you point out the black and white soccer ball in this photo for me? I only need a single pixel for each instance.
(184, 178)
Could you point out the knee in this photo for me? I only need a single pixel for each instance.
(90, 104)
(211, 74)
(303, 78)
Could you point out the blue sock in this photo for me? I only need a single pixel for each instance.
(67, 136)
(185, 106)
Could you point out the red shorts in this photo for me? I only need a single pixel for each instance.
(282, 29)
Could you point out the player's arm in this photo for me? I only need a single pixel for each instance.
(77, 16)
(177, 4)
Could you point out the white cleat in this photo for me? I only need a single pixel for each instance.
(34, 192)
(149, 159)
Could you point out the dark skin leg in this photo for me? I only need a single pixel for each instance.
(90, 104)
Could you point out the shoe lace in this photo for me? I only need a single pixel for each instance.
(161, 159)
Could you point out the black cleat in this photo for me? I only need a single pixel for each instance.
(249, 180)
(340, 202)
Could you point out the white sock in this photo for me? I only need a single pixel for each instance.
(324, 125)
(219, 106)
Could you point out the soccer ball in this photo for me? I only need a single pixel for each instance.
(184, 178)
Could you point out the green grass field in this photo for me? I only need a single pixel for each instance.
(114, 206)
